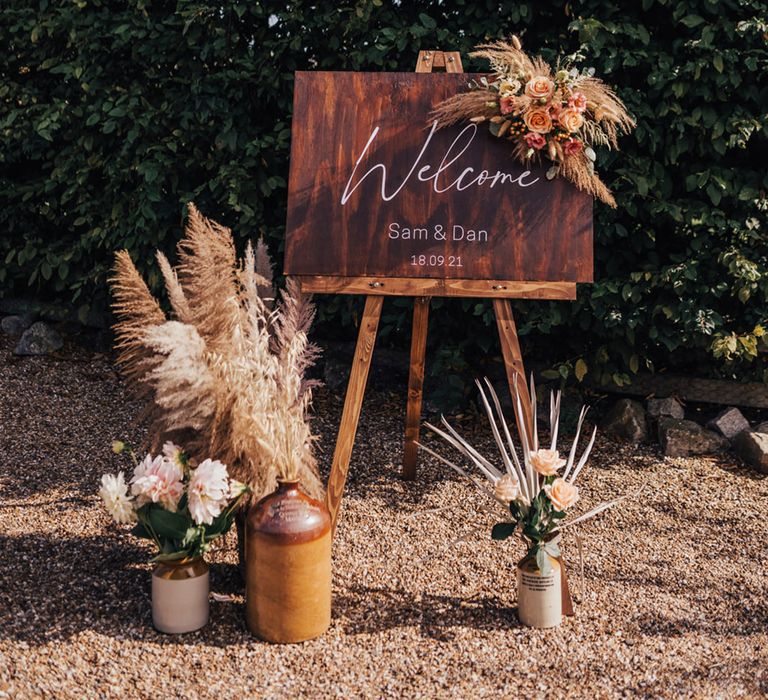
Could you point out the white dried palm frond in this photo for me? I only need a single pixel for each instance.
(529, 480)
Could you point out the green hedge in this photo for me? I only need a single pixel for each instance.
(113, 115)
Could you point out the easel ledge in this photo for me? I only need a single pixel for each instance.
(412, 287)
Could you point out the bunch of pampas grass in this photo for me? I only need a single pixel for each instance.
(224, 376)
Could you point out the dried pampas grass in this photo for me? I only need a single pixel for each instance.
(225, 375)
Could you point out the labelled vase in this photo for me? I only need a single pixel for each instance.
(180, 595)
(539, 597)
(288, 566)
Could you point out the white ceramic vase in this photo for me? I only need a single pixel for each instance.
(539, 597)
(180, 596)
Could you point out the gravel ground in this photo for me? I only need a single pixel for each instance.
(673, 602)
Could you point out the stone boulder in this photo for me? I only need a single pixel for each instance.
(39, 339)
(16, 325)
(682, 438)
(752, 447)
(669, 406)
(627, 420)
(729, 423)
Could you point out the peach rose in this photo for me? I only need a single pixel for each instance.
(507, 488)
(547, 462)
(538, 120)
(570, 119)
(562, 494)
(539, 87)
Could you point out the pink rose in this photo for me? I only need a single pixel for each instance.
(538, 120)
(546, 462)
(539, 87)
(535, 140)
(578, 102)
(507, 105)
(572, 146)
(562, 494)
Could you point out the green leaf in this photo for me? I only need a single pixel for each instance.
(501, 531)
(717, 62)
(166, 524)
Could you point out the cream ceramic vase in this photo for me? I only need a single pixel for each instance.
(539, 597)
(180, 595)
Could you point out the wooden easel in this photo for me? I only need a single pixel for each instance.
(375, 289)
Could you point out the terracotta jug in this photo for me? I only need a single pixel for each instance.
(288, 566)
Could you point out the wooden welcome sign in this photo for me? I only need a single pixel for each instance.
(380, 202)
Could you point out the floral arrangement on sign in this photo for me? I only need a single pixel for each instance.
(537, 491)
(562, 114)
(225, 375)
(180, 506)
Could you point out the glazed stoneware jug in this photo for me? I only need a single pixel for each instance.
(288, 566)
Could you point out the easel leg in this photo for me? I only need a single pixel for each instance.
(353, 402)
(513, 359)
(415, 385)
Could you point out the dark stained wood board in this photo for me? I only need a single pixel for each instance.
(540, 233)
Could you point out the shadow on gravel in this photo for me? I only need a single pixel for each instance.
(364, 610)
(55, 588)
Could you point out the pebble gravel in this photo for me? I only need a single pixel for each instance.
(673, 602)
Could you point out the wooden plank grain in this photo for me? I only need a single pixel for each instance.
(513, 362)
(415, 385)
(407, 286)
(375, 191)
(353, 403)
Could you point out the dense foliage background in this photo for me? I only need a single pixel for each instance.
(114, 114)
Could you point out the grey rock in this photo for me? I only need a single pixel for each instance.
(16, 325)
(669, 406)
(681, 438)
(762, 427)
(752, 447)
(39, 339)
(627, 420)
(729, 423)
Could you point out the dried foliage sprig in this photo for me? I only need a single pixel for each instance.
(226, 375)
(559, 114)
(529, 489)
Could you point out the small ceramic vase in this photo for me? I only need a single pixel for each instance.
(288, 566)
(539, 597)
(180, 595)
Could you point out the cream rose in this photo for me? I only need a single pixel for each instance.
(570, 119)
(546, 462)
(539, 87)
(538, 120)
(507, 488)
(562, 494)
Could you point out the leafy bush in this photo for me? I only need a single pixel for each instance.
(113, 115)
